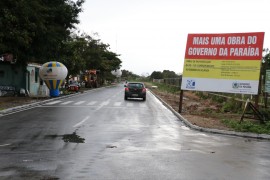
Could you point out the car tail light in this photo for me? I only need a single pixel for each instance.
(144, 90)
(126, 89)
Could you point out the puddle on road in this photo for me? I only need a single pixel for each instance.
(111, 146)
(72, 138)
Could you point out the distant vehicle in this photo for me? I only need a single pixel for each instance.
(74, 86)
(92, 78)
(135, 90)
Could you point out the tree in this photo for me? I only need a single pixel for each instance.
(110, 61)
(72, 55)
(266, 61)
(41, 31)
(128, 75)
(34, 30)
(82, 52)
(169, 74)
(97, 56)
(156, 75)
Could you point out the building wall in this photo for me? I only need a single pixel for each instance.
(12, 75)
(33, 80)
(34, 83)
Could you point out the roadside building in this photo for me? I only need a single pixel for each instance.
(17, 79)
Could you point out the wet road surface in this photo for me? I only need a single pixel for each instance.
(99, 135)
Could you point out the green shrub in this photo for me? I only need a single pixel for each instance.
(202, 95)
(248, 126)
(232, 105)
(167, 88)
(266, 114)
(218, 99)
(208, 111)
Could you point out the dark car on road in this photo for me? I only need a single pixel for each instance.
(135, 90)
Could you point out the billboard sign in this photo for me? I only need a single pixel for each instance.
(223, 62)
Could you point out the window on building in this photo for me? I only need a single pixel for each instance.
(36, 75)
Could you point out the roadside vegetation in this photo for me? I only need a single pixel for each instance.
(248, 126)
(38, 32)
(225, 109)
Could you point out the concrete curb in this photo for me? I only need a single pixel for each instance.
(208, 130)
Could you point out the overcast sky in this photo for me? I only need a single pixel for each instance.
(150, 35)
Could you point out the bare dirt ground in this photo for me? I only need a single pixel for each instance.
(201, 112)
(194, 108)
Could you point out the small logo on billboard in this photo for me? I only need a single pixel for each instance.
(235, 85)
(190, 84)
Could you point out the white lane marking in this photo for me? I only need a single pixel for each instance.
(80, 102)
(103, 104)
(129, 104)
(143, 105)
(67, 102)
(3, 145)
(53, 102)
(92, 103)
(117, 104)
(80, 123)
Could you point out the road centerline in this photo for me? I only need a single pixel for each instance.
(81, 122)
(3, 145)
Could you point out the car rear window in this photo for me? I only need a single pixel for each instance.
(135, 85)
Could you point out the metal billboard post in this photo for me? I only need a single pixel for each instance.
(181, 101)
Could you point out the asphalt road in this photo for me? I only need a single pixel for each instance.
(99, 135)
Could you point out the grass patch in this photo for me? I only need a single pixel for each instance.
(248, 126)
